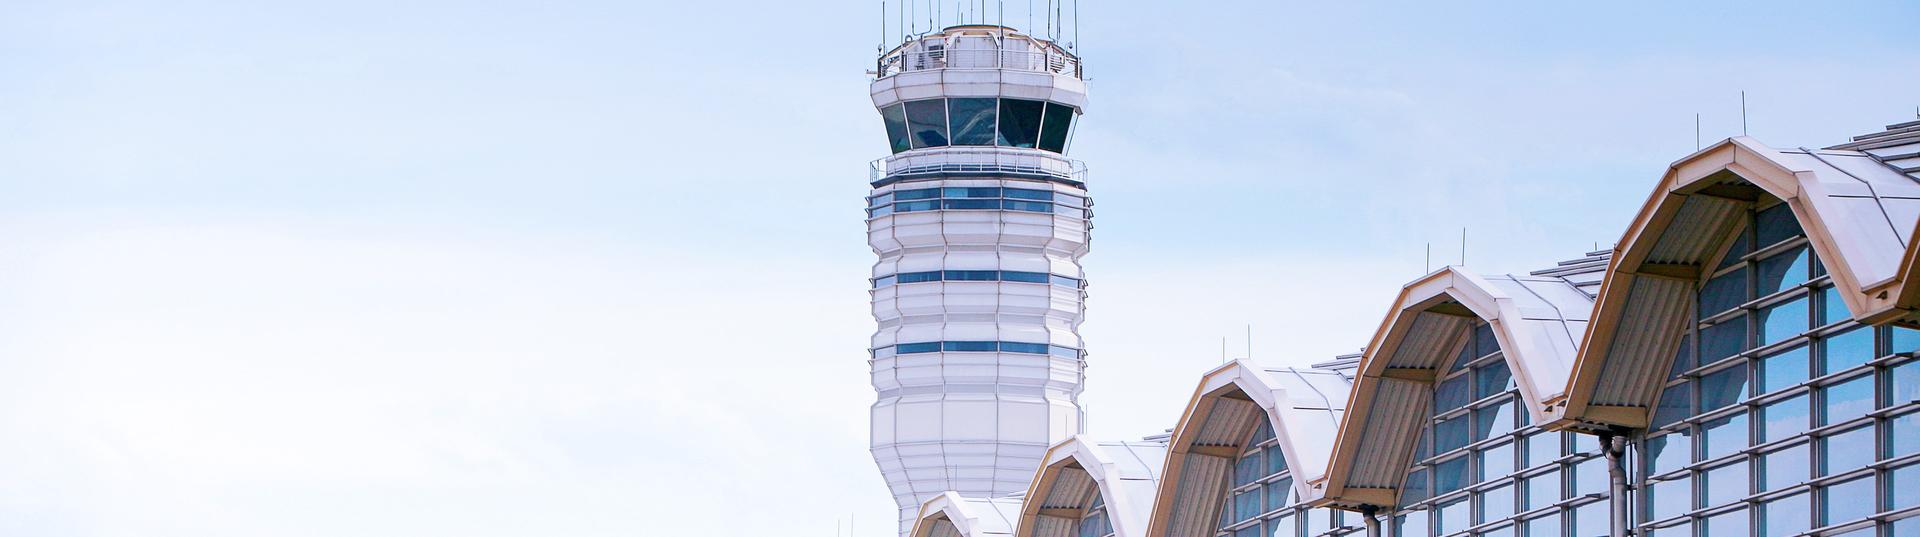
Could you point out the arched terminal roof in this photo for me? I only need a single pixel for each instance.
(1859, 204)
(1537, 320)
(950, 515)
(1304, 407)
(1126, 475)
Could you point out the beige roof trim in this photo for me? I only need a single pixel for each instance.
(1242, 377)
(1079, 454)
(1535, 365)
(1768, 169)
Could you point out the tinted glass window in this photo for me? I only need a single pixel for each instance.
(1723, 340)
(969, 346)
(1023, 348)
(1783, 370)
(1028, 277)
(970, 204)
(972, 275)
(927, 121)
(1021, 193)
(896, 119)
(1723, 293)
(917, 194)
(972, 120)
(1782, 419)
(1020, 122)
(971, 192)
(1782, 321)
(1723, 387)
(1053, 131)
(1781, 271)
(1776, 224)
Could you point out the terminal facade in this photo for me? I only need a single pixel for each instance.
(1741, 362)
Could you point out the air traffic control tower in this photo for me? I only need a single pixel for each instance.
(979, 221)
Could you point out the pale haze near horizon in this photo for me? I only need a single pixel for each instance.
(492, 269)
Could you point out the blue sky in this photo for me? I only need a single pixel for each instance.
(597, 268)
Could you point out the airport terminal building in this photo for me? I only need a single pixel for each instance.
(1740, 363)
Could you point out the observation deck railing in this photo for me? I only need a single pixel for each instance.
(1018, 162)
(1044, 60)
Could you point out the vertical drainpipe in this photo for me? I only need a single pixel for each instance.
(1373, 524)
(1614, 446)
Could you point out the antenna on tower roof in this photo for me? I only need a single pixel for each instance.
(1743, 112)
(1696, 131)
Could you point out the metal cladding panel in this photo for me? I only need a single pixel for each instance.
(1053, 526)
(1229, 423)
(1656, 310)
(1070, 490)
(1393, 425)
(1137, 460)
(1197, 499)
(1317, 399)
(1428, 341)
(944, 528)
(1697, 231)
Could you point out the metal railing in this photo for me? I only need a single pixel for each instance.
(986, 161)
(1039, 61)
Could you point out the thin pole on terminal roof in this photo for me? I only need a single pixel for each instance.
(1743, 112)
(1696, 131)
(1249, 341)
(1223, 349)
(1463, 246)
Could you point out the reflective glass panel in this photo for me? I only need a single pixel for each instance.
(1279, 493)
(1590, 476)
(1413, 524)
(1491, 379)
(1845, 350)
(1741, 246)
(1053, 131)
(1780, 271)
(1847, 450)
(1775, 224)
(1452, 516)
(1676, 403)
(927, 122)
(1783, 370)
(1450, 475)
(1493, 420)
(1723, 436)
(1415, 489)
(896, 119)
(1025, 194)
(1723, 293)
(1590, 520)
(1783, 321)
(1905, 432)
(1785, 516)
(1450, 434)
(1784, 418)
(1543, 490)
(1020, 122)
(1847, 501)
(1543, 448)
(1724, 484)
(1668, 452)
(1905, 387)
(1904, 485)
(1724, 387)
(1248, 469)
(972, 119)
(1833, 309)
(1682, 358)
(1483, 341)
(1542, 526)
(1451, 394)
(1496, 503)
(1722, 340)
(1847, 400)
(1496, 461)
(1731, 523)
(1785, 468)
(1667, 498)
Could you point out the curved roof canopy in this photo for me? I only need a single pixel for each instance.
(1303, 406)
(1536, 319)
(950, 515)
(1859, 204)
(1124, 474)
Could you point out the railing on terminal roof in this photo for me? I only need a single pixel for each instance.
(982, 161)
(1047, 59)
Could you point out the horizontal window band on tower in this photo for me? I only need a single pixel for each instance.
(976, 276)
(1014, 347)
(978, 121)
(975, 198)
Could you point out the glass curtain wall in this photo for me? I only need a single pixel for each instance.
(1483, 469)
(1260, 498)
(1781, 415)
